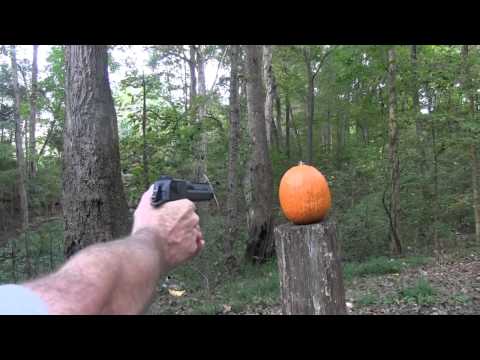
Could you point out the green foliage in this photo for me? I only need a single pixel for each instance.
(381, 266)
(421, 293)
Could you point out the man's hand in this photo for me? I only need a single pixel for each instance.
(174, 226)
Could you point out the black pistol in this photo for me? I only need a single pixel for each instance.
(167, 189)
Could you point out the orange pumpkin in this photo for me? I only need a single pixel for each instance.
(304, 195)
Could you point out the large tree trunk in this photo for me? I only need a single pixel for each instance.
(260, 244)
(21, 166)
(32, 166)
(94, 204)
(232, 223)
(471, 94)
(393, 154)
(146, 183)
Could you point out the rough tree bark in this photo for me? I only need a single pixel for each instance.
(21, 166)
(470, 91)
(311, 281)
(232, 224)
(260, 244)
(32, 166)
(393, 155)
(94, 204)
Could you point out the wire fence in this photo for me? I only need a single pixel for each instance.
(45, 249)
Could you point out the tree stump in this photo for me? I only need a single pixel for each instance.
(311, 280)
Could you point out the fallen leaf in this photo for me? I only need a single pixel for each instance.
(176, 293)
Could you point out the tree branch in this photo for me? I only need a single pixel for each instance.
(322, 61)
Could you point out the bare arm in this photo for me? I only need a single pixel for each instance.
(120, 277)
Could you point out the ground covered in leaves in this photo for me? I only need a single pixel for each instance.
(432, 286)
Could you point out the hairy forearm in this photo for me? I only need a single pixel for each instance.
(117, 277)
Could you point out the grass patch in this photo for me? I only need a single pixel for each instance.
(421, 293)
(461, 299)
(253, 286)
(367, 299)
(381, 266)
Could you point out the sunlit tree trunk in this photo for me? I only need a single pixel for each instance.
(201, 142)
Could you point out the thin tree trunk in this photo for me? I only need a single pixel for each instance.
(94, 204)
(278, 106)
(193, 80)
(268, 81)
(185, 88)
(260, 245)
(144, 135)
(310, 106)
(393, 154)
(21, 166)
(201, 145)
(419, 132)
(297, 135)
(232, 223)
(47, 138)
(33, 116)
(287, 127)
(435, 205)
(476, 199)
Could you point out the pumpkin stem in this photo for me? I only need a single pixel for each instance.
(300, 163)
